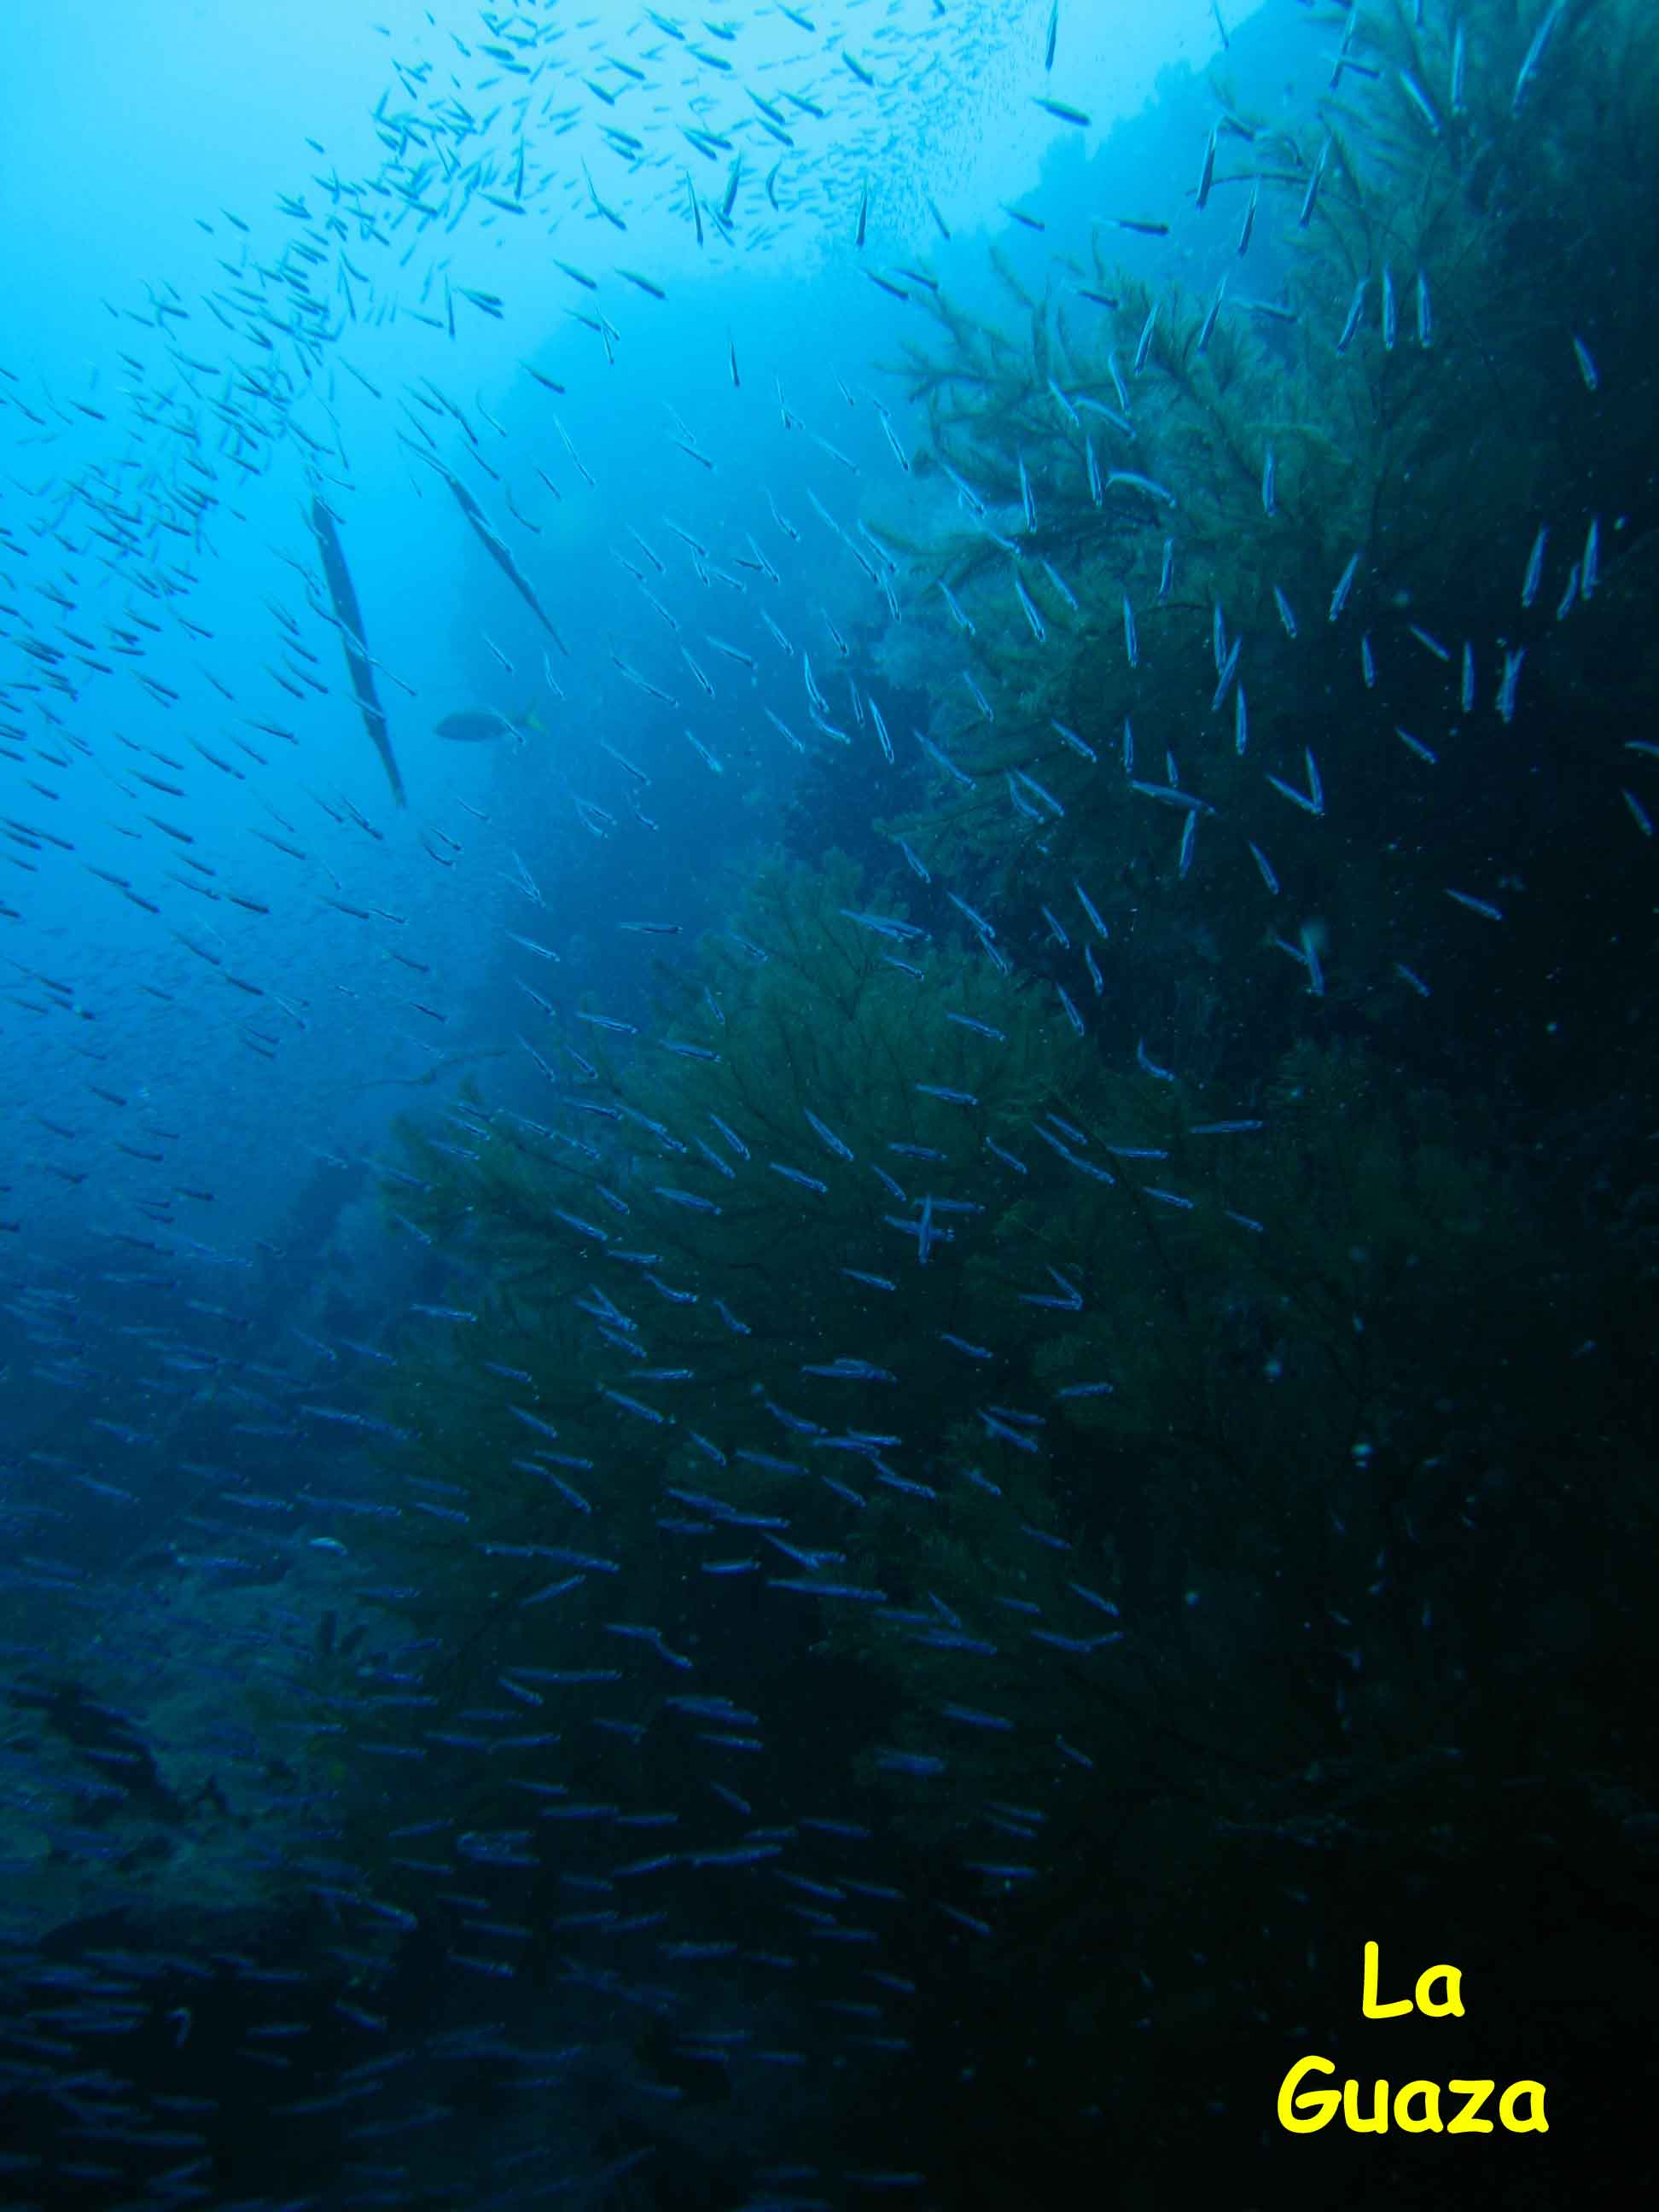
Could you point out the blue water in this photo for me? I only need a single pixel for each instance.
(826, 1217)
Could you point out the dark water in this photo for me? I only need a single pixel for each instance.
(830, 1214)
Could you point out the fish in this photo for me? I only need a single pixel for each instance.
(343, 597)
(1206, 176)
(480, 724)
(500, 554)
